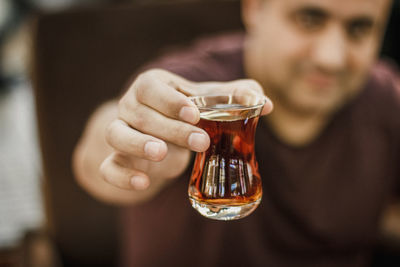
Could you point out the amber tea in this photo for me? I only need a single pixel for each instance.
(225, 183)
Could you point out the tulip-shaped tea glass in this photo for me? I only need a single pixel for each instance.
(225, 183)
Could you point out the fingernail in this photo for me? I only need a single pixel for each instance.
(188, 114)
(140, 182)
(198, 142)
(152, 149)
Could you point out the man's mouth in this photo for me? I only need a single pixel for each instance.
(320, 80)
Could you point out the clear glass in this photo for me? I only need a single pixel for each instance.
(225, 183)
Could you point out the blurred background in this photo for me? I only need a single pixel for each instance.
(21, 203)
(22, 208)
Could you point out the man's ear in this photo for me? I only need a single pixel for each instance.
(250, 11)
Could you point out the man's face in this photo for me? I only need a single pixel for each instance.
(312, 55)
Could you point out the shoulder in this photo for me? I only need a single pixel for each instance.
(385, 80)
(384, 93)
(212, 58)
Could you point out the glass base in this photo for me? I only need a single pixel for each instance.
(224, 212)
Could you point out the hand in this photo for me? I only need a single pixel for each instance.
(154, 132)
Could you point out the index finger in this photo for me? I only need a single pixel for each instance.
(159, 90)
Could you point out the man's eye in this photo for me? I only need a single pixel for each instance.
(359, 30)
(309, 22)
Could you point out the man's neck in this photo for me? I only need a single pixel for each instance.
(293, 129)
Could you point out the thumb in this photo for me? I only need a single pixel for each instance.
(268, 107)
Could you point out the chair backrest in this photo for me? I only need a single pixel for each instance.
(80, 59)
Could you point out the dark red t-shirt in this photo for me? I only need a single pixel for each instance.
(321, 202)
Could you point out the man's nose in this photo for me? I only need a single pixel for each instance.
(329, 50)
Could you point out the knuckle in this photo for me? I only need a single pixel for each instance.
(123, 105)
(251, 82)
(141, 78)
(155, 72)
(127, 106)
(115, 172)
(121, 102)
(110, 132)
(145, 81)
(141, 87)
(105, 170)
(132, 146)
(254, 84)
(138, 121)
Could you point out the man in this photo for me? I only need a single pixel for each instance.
(328, 153)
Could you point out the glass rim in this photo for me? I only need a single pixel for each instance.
(230, 95)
